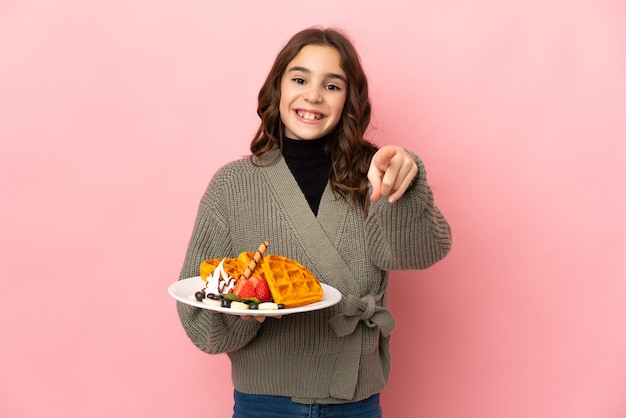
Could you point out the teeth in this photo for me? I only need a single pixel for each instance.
(309, 115)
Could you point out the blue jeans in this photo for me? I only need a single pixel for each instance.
(269, 406)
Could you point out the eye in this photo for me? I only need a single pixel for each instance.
(298, 80)
(333, 87)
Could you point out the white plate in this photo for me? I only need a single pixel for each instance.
(184, 290)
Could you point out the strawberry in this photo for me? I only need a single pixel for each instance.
(247, 291)
(262, 291)
(254, 280)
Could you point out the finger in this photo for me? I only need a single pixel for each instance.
(390, 178)
(378, 166)
(383, 157)
(398, 167)
(375, 181)
(403, 182)
(405, 173)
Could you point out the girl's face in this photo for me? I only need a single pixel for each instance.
(312, 93)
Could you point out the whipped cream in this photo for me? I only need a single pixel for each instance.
(219, 282)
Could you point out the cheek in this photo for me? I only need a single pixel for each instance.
(286, 97)
(283, 112)
(283, 105)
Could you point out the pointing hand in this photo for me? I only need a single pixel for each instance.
(391, 171)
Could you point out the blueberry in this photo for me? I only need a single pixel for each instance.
(199, 296)
(253, 305)
(213, 296)
(226, 303)
(281, 306)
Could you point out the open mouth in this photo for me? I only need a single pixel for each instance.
(305, 114)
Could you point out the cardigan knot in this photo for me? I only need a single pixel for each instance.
(366, 310)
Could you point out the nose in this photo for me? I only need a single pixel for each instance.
(313, 95)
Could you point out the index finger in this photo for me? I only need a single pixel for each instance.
(378, 167)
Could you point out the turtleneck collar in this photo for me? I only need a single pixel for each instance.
(305, 148)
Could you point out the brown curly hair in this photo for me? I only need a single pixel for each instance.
(347, 149)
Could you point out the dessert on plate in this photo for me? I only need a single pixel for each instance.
(254, 280)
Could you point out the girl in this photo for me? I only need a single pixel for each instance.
(313, 188)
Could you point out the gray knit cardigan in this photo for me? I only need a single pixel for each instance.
(335, 355)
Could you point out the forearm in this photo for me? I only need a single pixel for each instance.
(411, 233)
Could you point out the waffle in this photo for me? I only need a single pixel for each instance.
(231, 266)
(290, 282)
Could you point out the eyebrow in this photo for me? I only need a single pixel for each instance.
(327, 75)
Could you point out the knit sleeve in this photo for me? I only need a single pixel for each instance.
(210, 331)
(214, 332)
(411, 233)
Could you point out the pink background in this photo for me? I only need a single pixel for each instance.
(114, 115)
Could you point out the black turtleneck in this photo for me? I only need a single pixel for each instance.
(309, 165)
